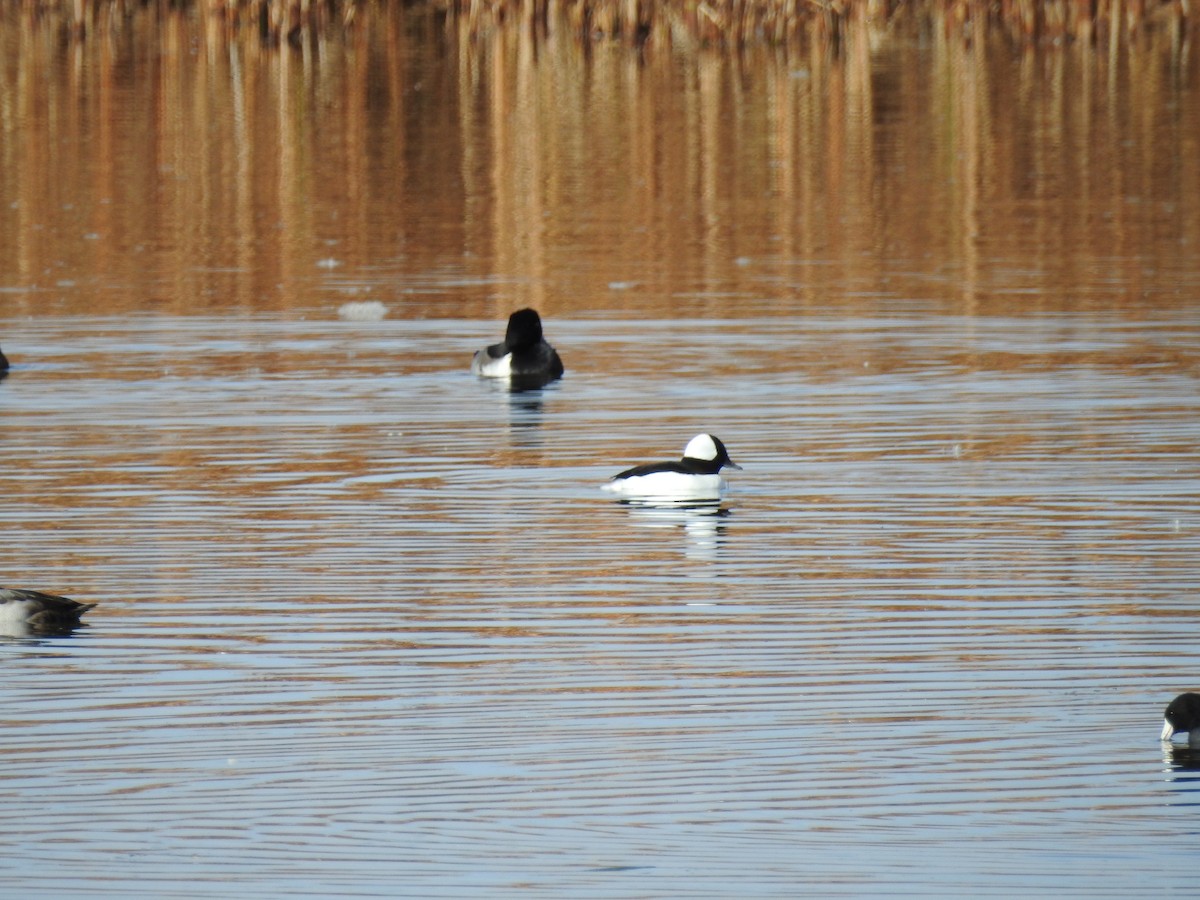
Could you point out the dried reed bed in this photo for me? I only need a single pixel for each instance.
(274, 20)
(734, 23)
(707, 23)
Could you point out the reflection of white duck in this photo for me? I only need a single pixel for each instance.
(697, 476)
(698, 517)
(703, 522)
(24, 613)
(1183, 715)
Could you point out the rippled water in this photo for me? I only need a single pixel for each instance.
(368, 626)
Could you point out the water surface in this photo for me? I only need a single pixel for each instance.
(369, 624)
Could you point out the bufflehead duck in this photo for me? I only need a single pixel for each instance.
(3, 364)
(523, 354)
(695, 477)
(24, 613)
(1183, 714)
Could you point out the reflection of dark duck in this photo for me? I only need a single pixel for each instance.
(1184, 758)
(24, 613)
(1183, 715)
(523, 354)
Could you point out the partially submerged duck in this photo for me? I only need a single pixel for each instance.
(1183, 715)
(25, 613)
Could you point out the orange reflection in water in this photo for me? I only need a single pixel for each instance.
(163, 165)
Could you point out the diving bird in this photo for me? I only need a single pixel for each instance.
(1183, 715)
(24, 613)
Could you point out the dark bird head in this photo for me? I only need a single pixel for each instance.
(1183, 715)
(524, 330)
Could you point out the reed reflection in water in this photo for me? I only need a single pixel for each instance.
(412, 165)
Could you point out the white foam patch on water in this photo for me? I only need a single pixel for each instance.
(362, 311)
